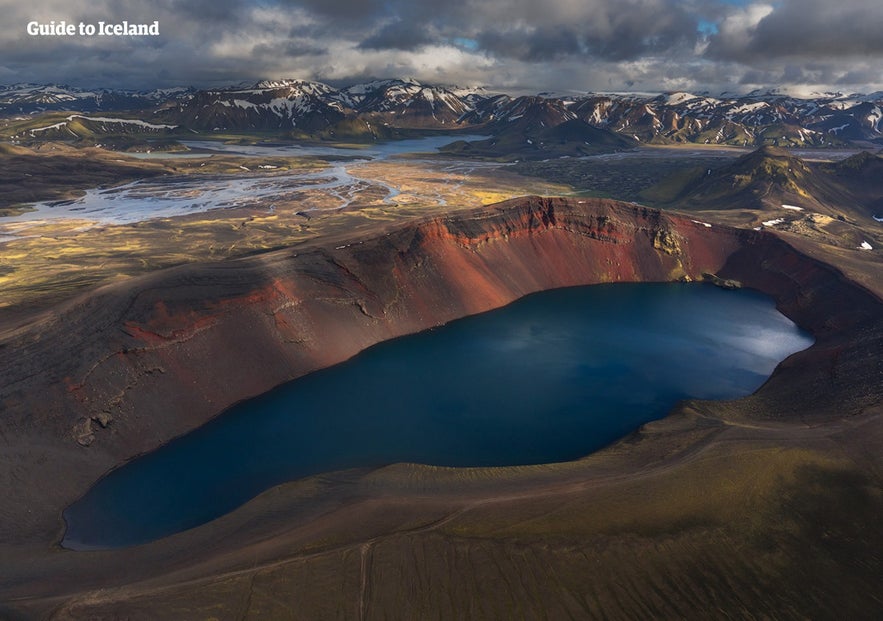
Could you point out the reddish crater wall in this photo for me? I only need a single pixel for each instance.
(162, 354)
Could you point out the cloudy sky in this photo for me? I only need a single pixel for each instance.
(508, 45)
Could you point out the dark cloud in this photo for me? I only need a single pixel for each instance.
(550, 44)
(536, 46)
(223, 11)
(803, 29)
(623, 41)
(399, 35)
(617, 29)
(293, 49)
(346, 11)
(861, 75)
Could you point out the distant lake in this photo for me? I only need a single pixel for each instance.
(381, 149)
(549, 378)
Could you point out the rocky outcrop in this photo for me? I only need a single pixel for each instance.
(723, 283)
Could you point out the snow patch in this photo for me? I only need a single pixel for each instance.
(773, 222)
(105, 119)
(792, 207)
(239, 103)
(874, 118)
(675, 99)
(751, 107)
(43, 129)
(866, 246)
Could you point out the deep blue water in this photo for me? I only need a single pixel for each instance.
(552, 377)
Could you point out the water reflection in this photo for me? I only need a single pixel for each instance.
(552, 377)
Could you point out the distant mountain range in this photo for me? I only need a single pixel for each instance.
(370, 110)
(35, 98)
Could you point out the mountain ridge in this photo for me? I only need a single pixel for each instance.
(770, 179)
(755, 119)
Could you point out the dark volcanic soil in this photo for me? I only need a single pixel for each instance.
(765, 506)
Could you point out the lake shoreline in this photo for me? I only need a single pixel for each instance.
(561, 339)
(594, 236)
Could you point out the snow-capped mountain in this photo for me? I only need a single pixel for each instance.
(750, 120)
(305, 107)
(408, 102)
(314, 106)
(79, 126)
(36, 98)
(528, 112)
(266, 105)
